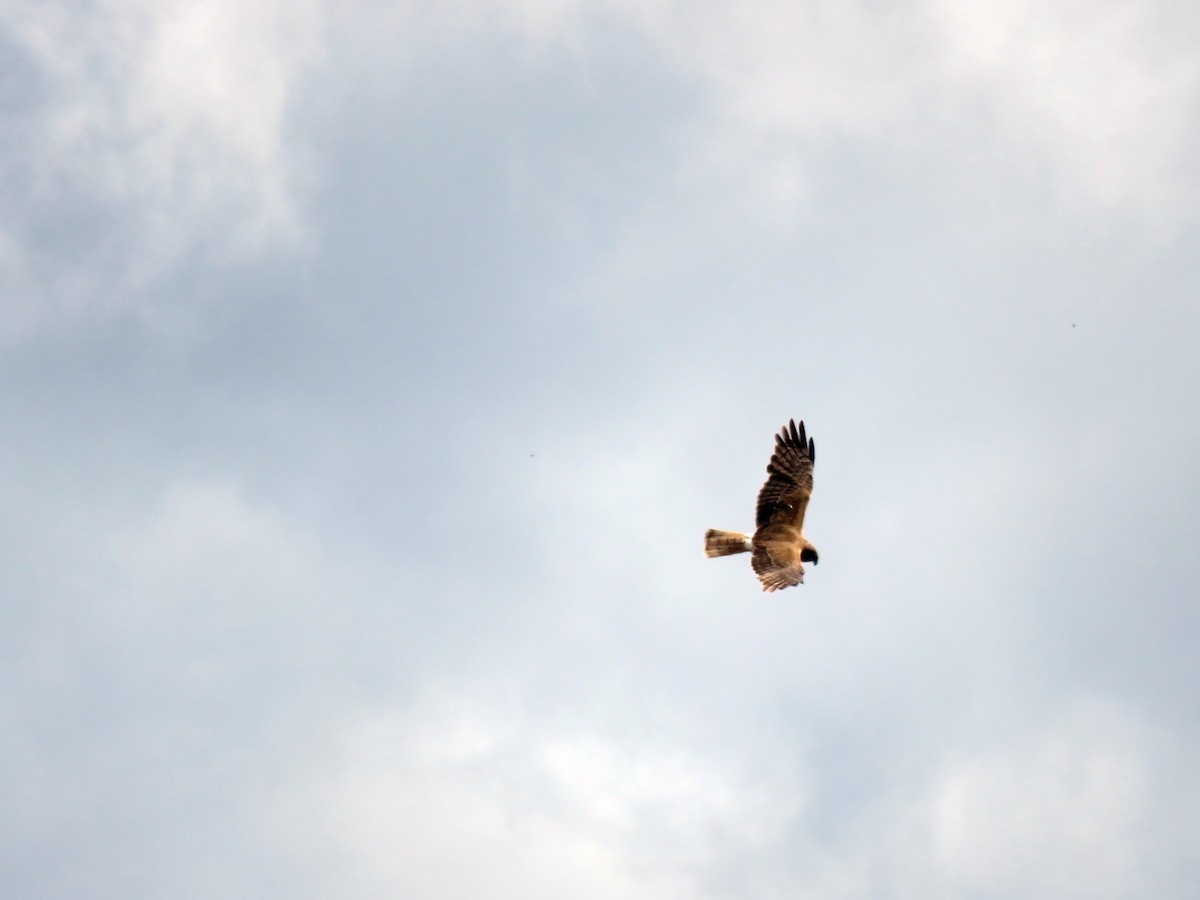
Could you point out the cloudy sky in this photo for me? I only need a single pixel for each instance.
(371, 371)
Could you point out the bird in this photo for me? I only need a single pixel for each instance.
(778, 548)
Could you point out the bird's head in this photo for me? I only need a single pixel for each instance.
(809, 554)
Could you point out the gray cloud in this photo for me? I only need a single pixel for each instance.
(145, 136)
(370, 562)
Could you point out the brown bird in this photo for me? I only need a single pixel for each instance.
(779, 546)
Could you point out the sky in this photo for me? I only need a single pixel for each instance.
(372, 370)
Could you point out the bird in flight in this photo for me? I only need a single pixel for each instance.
(778, 548)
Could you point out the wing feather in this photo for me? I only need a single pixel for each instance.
(784, 497)
(777, 566)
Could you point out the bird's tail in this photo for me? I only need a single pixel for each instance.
(723, 543)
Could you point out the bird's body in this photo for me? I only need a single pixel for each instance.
(779, 548)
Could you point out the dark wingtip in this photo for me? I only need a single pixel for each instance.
(812, 450)
(794, 435)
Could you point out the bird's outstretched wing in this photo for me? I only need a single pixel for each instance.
(777, 566)
(784, 497)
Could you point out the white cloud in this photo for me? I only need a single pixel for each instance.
(154, 129)
(1057, 814)
(1087, 102)
(466, 792)
(529, 676)
(1061, 809)
(462, 798)
(1098, 94)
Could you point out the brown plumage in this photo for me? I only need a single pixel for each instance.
(779, 548)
